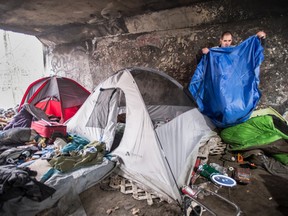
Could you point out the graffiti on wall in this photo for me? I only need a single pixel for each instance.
(72, 64)
(69, 62)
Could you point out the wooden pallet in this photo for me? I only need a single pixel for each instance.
(128, 187)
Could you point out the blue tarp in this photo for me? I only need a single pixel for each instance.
(225, 82)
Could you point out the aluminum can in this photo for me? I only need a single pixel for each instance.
(188, 191)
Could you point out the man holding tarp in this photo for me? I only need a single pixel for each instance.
(225, 83)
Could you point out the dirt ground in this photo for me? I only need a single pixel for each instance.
(97, 201)
(264, 195)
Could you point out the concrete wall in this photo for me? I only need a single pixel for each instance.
(169, 40)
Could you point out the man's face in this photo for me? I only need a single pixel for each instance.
(226, 41)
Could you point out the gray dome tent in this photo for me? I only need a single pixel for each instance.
(163, 129)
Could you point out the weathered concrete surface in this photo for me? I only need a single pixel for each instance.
(204, 13)
(168, 46)
(55, 22)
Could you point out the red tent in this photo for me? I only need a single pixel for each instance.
(57, 96)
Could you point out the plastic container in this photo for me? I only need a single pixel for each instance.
(223, 180)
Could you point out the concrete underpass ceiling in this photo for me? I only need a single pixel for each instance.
(56, 22)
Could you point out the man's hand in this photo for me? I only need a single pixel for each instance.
(261, 34)
(205, 50)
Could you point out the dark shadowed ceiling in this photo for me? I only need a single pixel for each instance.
(64, 21)
(67, 21)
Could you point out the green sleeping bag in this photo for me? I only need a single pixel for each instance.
(255, 132)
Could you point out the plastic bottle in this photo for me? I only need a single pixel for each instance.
(221, 169)
(207, 171)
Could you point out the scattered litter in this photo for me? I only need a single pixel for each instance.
(231, 169)
(240, 158)
(219, 168)
(135, 211)
(242, 175)
(196, 207)
(109, 211)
